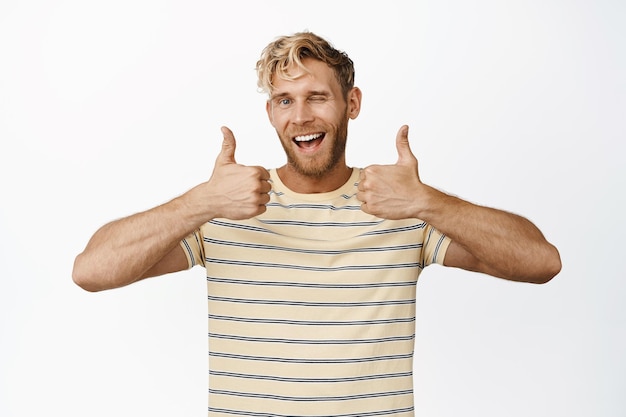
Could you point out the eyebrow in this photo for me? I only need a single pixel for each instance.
(309, 93)
(281, 95)
(319, 93)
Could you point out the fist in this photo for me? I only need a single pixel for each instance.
(392, 191)
(236, 191)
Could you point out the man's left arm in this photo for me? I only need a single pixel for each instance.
(484, 239)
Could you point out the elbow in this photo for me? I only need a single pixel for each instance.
(84, 282)
(94, 276)
(540, 268)
(550, 267)
(82, 276)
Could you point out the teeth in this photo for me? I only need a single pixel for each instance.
(307, 138)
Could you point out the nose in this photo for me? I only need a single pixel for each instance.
(302, 113)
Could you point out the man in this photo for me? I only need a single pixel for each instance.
(312, 267)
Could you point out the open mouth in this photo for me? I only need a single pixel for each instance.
(309, 141)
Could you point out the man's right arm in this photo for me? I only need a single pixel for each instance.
(147, 244)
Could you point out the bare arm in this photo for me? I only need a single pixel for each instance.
(484, 239)
(492, 241)
(135, 247)
(147, 244)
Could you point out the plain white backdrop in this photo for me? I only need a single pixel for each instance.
(109, 108)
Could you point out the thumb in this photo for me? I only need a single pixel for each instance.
(405, 156)
(227, 154)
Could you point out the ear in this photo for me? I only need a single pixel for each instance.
(268, 109)
(354, 102)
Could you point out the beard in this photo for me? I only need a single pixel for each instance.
(322, 163)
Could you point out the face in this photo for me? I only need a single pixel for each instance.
(311, 117)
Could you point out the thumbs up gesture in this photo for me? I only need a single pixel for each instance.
(392, 191)
(236, 191)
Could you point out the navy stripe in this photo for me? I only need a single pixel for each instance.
(367, 414)
(311, 399)
(315, 206)
(322, 224)
(314, 268)
(240, 226)
(312, 380)
(430, 234)
(190, 252)
(396, 229)
(311, 341)
(436, 251)
(310, 360)
(311, 285)
(312, 323)
(311, 303)
(311, 251)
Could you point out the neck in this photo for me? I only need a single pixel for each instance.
(304, 184)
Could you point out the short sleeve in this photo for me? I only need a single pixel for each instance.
(435, 246)
(193, 248)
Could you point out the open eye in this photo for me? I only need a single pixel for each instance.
(283, 102)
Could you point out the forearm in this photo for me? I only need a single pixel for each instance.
(121, 252)
(484, 239)
(144, 244)
(502, 244)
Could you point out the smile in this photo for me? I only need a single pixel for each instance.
(309, 141)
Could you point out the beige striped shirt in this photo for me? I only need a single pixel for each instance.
(312, 306)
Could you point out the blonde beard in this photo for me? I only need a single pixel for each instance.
(311, 168)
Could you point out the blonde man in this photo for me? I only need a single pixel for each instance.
(311, 267)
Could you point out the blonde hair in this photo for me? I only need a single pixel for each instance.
(287, 50)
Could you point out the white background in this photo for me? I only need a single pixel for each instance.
(109, 108)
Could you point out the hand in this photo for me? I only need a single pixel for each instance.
(392, 191)
(237, 191)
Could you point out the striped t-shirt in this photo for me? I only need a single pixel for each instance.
(312, 306)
